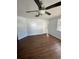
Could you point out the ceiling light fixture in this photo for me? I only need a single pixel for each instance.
(42, 11)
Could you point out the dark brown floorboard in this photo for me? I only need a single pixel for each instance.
(39, 47)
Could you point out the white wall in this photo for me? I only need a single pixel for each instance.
(36, 26)
(27, 26)
(59, 25)
(21, 27)
(52, 27)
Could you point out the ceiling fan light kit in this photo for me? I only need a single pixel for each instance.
(43, 10)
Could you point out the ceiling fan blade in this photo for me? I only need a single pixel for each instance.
(48, 13)
(54, 5)
(38, 4)
(32, 11)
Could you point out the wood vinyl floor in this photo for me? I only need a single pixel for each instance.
(39, 47)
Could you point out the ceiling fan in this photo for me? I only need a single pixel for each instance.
(42, 9)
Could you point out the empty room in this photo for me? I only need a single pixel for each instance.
(38, 29)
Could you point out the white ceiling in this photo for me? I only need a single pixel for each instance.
(26, 5)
